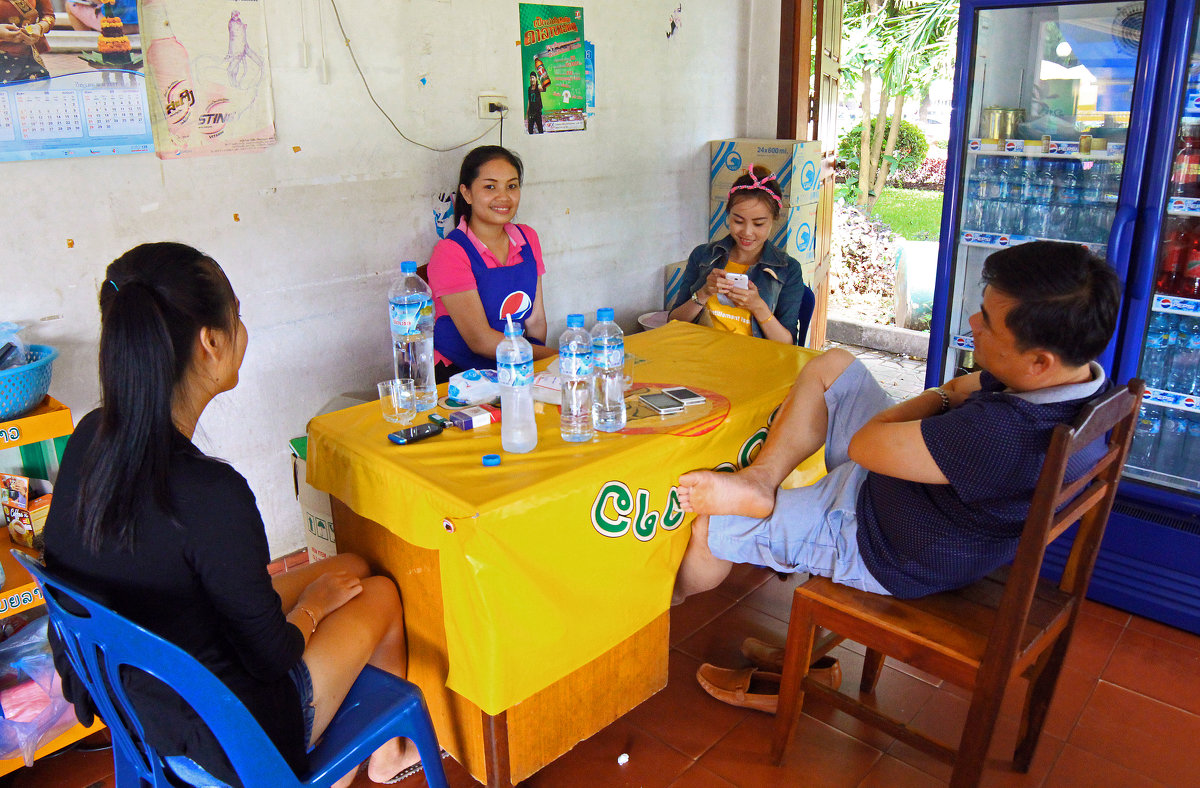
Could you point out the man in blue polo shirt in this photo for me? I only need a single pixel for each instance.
(931, 493)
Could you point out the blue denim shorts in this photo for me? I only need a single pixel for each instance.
(814, 529)
(303, 680)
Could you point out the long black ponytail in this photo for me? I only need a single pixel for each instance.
(153, 303)
(469, 171)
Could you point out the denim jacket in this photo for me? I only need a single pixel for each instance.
(778, 277)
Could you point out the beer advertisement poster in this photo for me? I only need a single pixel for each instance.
(552, 59)
(208, 76)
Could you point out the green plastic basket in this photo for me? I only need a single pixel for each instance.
(23, 387)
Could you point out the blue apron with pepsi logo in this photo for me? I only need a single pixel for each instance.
(502, 291)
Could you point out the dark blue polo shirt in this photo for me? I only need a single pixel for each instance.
(918, 539)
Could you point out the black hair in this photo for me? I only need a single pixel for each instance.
(469, 171)
(155, 299)
(1067, 298)
(767, 190)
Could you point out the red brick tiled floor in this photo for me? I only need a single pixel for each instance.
(1127, 713)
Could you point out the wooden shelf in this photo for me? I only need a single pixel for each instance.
(49, 420)
(19, 592)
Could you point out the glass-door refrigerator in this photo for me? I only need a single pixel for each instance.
(1078, 122)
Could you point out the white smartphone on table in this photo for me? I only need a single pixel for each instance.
(684, 395)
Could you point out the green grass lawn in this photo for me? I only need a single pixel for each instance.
(913, 213)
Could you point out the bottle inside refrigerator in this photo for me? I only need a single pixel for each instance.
(1049, 100)
(1166, 448)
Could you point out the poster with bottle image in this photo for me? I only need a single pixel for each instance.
(208, 76)
(553, 68)
(71, 82)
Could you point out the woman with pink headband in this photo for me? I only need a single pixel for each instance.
(743, 283)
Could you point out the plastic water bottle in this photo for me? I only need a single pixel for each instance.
(608, 359)
(1191, 452)
(1169, 458)
(575, 371)
(514, 373)
(1145, 437)
(411, 306)
(1156, 357)
(1185, 361)
(1093, 224)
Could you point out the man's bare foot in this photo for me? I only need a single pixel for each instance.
(746, 493)
(391, 759)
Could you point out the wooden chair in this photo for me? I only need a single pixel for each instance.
(1012, 623)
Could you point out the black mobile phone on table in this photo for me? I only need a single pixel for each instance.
(663, 404)
(413, 434)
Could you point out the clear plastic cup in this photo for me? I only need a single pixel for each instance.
(398, 400)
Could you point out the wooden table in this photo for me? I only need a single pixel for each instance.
(536, 594)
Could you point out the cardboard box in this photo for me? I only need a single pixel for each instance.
(316, 511)
(672, 277)
(796, 164)
(25, 503)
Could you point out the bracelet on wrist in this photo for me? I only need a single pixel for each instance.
(770, 317)
(941, 392)
(311, 618)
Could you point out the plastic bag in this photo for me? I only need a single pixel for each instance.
(474, 386)
(30, 693)
(14, 356)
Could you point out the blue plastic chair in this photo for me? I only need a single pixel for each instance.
(808, 304)
(99, 643)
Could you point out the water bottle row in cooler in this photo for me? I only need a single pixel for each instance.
(1046, 198)
(1167, 440)
(1171, 356)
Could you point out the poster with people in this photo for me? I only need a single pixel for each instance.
(552, 60)
(71, 85)
(208, 76)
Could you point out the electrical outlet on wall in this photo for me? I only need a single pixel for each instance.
(490, 105)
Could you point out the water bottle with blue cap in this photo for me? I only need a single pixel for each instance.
(514, 373)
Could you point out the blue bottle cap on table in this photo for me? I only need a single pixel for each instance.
(605, 313)
(491, 459)
(408, 267)
(574, 321)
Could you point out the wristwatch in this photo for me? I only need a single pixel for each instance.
(696, 299)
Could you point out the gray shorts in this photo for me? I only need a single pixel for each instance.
(814, 529)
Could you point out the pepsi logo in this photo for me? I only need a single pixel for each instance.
(517, 303)
(1164, 302)
(1010, 146)
(968, 237)
(973, 145)
(1002, 240)
(1189, 402)
(808, 176)
(1054, 147)
(1176, 205)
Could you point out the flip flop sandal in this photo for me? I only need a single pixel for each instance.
(404, 774)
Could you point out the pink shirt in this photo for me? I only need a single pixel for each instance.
(450, 269)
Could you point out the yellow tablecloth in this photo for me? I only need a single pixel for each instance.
(555, 556)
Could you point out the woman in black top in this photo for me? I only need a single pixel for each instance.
(173, 539)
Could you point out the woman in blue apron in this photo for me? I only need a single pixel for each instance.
(487, 268)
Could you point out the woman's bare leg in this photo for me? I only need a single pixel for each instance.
(291, 584)
(369, 629)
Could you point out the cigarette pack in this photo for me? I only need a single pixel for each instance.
(475, 416)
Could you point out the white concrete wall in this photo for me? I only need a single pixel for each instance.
(328, 212)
